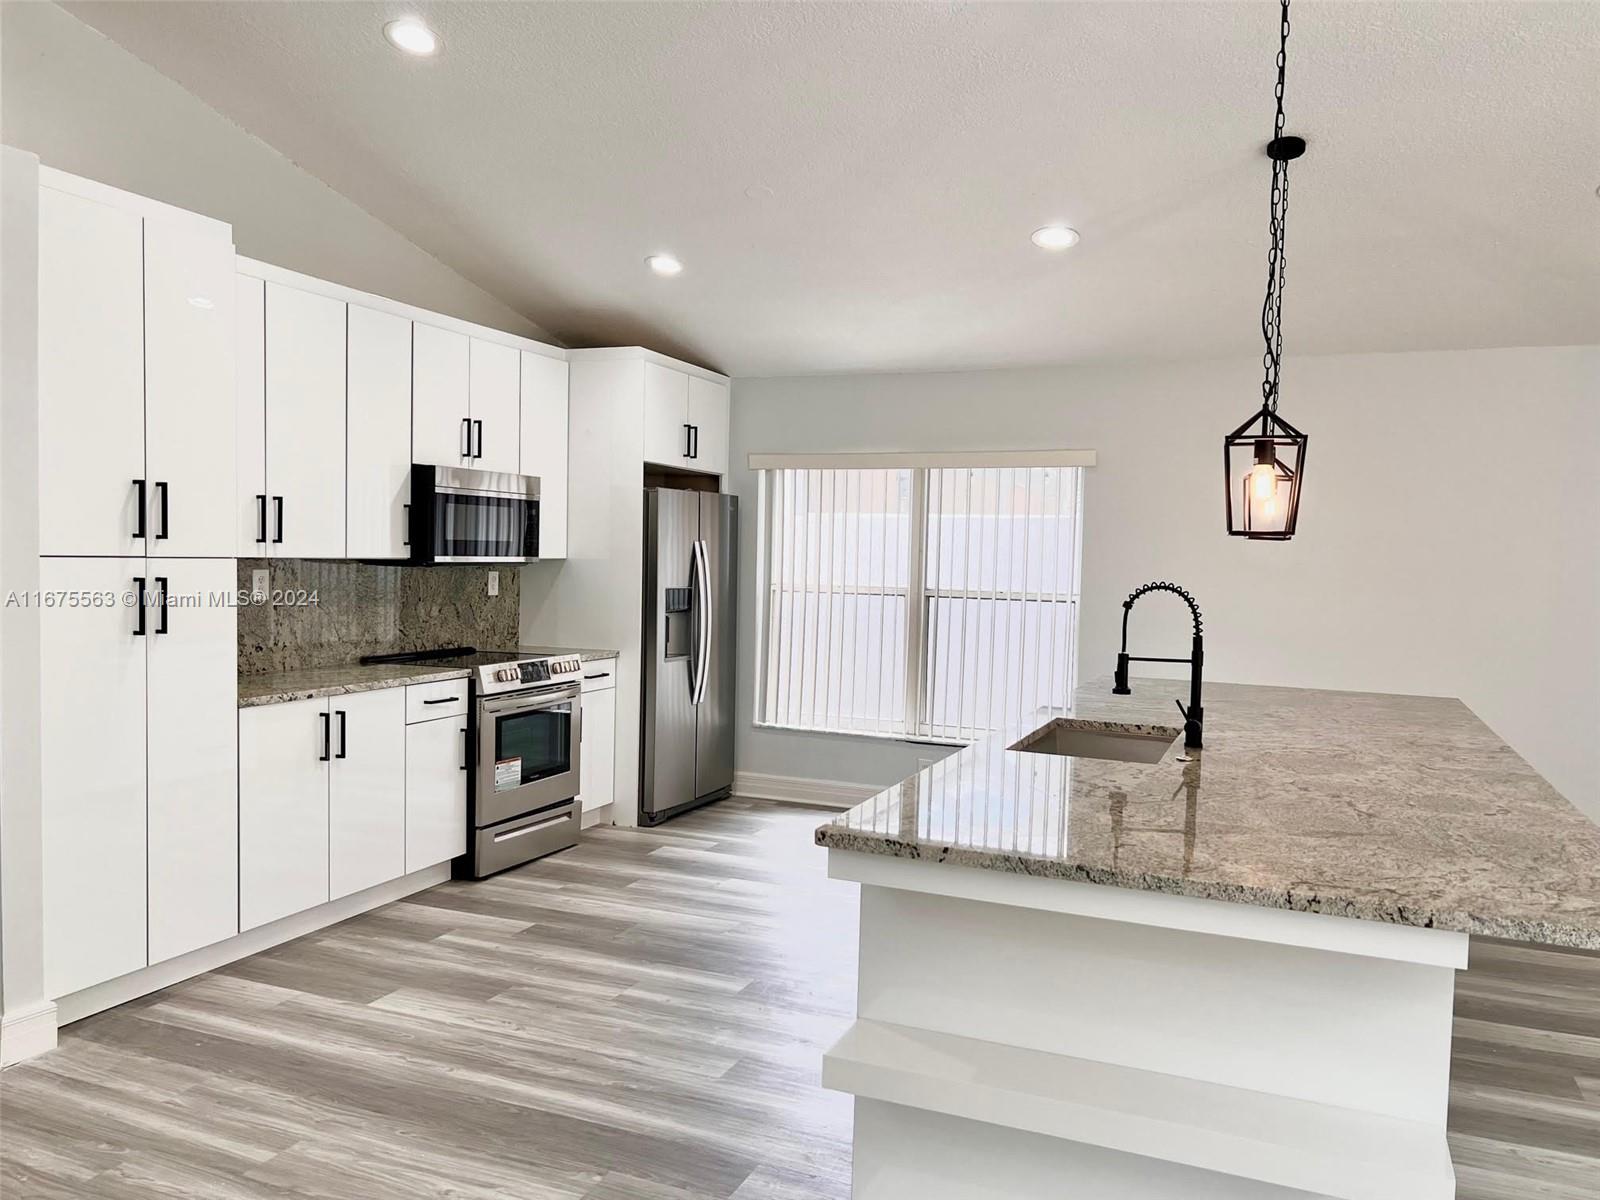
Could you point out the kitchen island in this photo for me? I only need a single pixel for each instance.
(1222, 973)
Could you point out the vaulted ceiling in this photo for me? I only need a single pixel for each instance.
(851, 186)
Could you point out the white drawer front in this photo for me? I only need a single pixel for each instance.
(599, 674)
(429, 701)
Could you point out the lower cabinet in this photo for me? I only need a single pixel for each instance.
(597, 756)
(284, 757)
(367, 790)
(435, 792)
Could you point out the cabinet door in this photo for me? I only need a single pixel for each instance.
(438, 396)
(544, 445)
(367, 790)
(597, 759)
(708, 413)
(91, 376)
(250, 415)
(379, 481)
(283, 810)
(495, 406)
(92, 774)
(193, 728)
(436, 793)
(189, 389)
(666, 416)
(305, 423)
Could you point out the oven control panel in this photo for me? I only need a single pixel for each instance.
(533, 671)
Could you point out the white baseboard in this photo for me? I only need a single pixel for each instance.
(27, 1033)
(131, 986)
(823, 793)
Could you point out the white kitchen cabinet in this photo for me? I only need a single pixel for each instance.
(192, 739)
(91, 376)
(597, 754)
(250, 414)
(367, 790)
(92, 772)
(189, 408)
(284, 759)
(708, 422)
(378, 488)
(495, 406)
(666, 416)
(305, 391)
(544, 445)
(439, 402)
(436, 792)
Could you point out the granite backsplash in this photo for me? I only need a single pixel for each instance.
(370, 608)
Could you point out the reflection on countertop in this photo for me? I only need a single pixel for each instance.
(1404, 809)
(311, 683)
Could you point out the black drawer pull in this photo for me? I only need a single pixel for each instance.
(601, 675)
(443, 700)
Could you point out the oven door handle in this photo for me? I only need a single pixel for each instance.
(501, 707)
(702, 650)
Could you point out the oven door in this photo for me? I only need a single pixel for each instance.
(527, 753)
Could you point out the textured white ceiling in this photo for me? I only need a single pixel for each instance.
(851, 185)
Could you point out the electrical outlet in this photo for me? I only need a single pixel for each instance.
(260, 581)
(494, 583)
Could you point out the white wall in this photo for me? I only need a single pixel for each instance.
(85, 105)
(1449, 534)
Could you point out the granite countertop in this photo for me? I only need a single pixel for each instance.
(280, 687)
(1405, 809)
(588, 654)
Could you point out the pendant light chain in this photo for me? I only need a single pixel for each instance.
(1272, 306)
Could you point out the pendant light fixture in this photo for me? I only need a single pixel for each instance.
(1264, 459)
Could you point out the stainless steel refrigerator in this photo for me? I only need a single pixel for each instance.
(691, 542)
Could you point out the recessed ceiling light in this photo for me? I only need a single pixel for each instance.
(1055, 237)
(664, 264)
(412, 36)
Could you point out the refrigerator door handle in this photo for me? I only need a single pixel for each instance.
(702, 655)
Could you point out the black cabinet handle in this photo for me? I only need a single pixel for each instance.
(138, 520)
(688, 440)
(261, 517)
(601, 675)
(277, 509)
(327, 738)
(466, 752)
(407, 540)
(161, 585)
(466, 436)
(342, 746)
(695, 453)
(138, 583)
(443, 700)
(478, 426)
(161, 491)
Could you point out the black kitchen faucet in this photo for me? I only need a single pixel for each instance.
(1194, 715)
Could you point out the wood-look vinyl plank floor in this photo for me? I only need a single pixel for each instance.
(639, 1018)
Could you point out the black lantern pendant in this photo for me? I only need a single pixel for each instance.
(1264, 459)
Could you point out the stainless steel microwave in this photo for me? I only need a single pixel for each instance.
(459, 515)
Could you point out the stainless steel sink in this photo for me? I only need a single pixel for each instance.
(1091, 739)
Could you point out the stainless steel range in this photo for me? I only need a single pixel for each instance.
(523, 720)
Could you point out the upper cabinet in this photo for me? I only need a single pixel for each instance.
(685, 420)
(302, 502)
(440, 424)
(544, 445)
(495, 405)
(378, 483)
(136, 414)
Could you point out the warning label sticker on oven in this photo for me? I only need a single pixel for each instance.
(507, 773)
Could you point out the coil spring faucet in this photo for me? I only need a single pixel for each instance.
(1194, 715)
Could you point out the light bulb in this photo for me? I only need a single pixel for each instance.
(1264, 482)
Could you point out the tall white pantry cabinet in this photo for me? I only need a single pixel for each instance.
(138, 659)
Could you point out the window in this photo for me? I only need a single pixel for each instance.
(924, 601)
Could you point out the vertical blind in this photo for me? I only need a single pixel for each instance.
(932, 602)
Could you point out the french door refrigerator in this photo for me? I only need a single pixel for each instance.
(686, 741)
